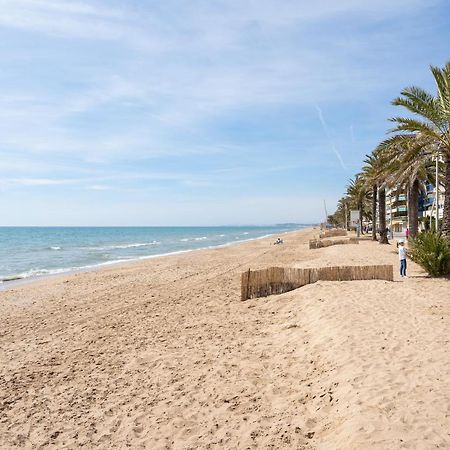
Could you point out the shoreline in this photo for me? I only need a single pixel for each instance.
(7, 284)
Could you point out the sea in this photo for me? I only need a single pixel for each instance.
(30, 252)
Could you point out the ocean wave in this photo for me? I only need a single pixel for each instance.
(55, 248)
(144, 244)
(32, 273)
(203, 238)
(35, 273)
(124, 246)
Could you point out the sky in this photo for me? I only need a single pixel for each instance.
(200, 112)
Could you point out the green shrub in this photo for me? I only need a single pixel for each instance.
(432, 252)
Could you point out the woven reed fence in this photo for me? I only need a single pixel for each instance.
(317, 243)
(333, 233)
(277, 280)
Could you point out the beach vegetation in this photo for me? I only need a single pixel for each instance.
(431, 250)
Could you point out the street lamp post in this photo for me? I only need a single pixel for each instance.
(437, 192)
(346, 216)
(390, 216)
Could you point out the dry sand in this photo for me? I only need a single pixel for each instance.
(162, 355)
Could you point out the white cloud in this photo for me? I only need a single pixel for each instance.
(75, 19)
(192, 66)
(99, 187)
(104, 82)
(39, 181)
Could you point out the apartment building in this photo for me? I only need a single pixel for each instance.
(397, 207)
(396, 210)
(429, 202)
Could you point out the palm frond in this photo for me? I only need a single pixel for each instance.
(416, 126)
(442, 79)
(422, 103)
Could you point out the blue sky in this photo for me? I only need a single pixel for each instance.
(185, 112)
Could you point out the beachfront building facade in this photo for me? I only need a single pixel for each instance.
(429, 207)
(396, 210)
(397, 207)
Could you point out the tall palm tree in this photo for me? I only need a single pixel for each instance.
(371, 174)
(382, 214)
(376, 170)
(432, 121)
(358, 192)
(339, 217)
(343, 204)
(409, 166)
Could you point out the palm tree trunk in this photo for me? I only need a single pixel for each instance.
(374, 211)
(382, 211)
(446, 217)
(413, 208)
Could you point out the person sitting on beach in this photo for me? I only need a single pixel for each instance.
(278, 241)
(402, 258)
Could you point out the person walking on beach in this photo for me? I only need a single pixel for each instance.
(402, 257)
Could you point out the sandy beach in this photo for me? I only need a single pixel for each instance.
(162, 354)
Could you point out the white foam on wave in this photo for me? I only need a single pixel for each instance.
(124, 246)
(42, 272)
(203, 238)
(145, 244)
(55, 248)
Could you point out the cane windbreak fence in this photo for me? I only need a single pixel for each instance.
(277, 280)
(333, 233)
(318, 243)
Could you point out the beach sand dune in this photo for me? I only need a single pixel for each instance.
(162, 354)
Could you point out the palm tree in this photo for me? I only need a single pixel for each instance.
(371, 174)
(410, 166)
(358, 193)
(343, 204)
(432, 121)
(339, 217)
(376, 171)
(382, 214)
